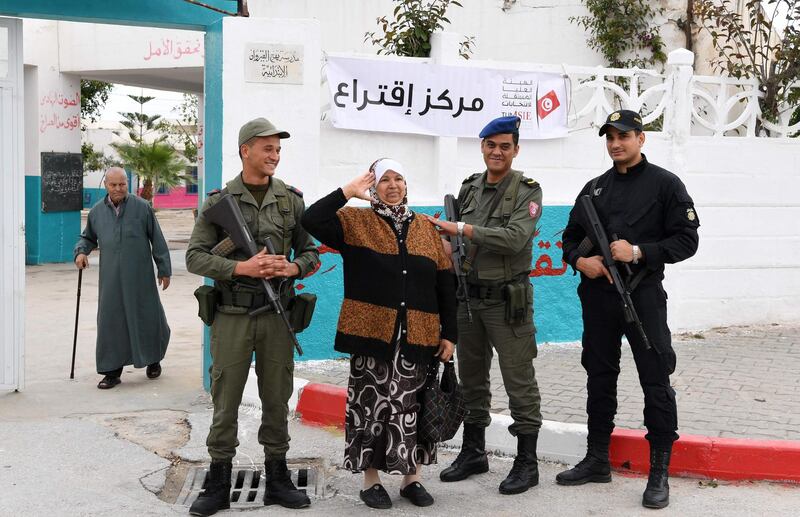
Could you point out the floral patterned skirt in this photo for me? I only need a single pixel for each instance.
(381, 418)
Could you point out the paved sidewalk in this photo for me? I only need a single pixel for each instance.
(125, 451)
(739, 382)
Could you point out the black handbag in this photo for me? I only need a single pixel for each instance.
(441, 405)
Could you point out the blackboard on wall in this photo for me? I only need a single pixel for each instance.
(62, 182)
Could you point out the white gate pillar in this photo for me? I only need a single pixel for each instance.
(261, 67)
(12, 209)
(678, 114)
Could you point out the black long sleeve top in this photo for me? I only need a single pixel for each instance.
(647, 206)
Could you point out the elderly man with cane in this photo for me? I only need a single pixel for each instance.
(131, 325)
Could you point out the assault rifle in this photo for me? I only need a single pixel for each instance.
(227, 215)
(597, 235)
(459, 253)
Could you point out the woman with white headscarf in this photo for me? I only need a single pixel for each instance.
(397, 317)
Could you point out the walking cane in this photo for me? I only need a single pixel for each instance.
(77, 311)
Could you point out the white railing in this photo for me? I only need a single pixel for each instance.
(598, 91)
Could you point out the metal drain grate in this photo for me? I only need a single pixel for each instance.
(247, 484)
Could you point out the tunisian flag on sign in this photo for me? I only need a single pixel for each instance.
(547, 104)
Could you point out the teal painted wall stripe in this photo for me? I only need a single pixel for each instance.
(150, 13)
(557, 313)
(49, 236)
(212, 175)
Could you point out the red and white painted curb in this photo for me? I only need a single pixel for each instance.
(693, 455)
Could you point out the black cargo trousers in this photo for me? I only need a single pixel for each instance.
(603, 327)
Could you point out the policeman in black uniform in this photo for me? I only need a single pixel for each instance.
(651, 220)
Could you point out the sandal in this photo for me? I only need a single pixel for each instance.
(108, 382)
(376, 497)
(417, 494)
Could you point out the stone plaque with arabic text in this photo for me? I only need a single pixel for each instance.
(273, 63)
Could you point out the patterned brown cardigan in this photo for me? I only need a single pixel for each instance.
(390, 280)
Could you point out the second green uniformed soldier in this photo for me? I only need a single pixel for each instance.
(499, 209)
(272, 210)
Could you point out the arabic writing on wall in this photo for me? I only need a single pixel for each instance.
(273, 63)
(53, 114)
(174, 49)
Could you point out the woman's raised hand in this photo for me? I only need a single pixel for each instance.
(359, 185)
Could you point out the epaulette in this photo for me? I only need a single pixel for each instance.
(215, 191)
(532, 183)
(295, 190)
(471, 178)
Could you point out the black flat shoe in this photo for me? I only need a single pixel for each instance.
(154, 371)
(108, 382)
(377, 497)
(417, 494)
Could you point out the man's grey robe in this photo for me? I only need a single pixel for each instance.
(131, 325)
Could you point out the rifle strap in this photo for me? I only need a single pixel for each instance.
(498, 196)
(593, 187)
(284, 207)
(586, 245)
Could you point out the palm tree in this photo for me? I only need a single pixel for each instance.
(157, 163)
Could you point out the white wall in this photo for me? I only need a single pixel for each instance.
(537, 31)
(747, 269)
(292, 107)
(52, 106)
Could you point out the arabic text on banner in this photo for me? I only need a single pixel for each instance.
(427, 99)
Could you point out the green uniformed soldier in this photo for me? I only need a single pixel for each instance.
(499, 209)
(271, 209)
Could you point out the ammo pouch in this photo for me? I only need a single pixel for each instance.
(519, 302)
(301, 309)
(207, 300)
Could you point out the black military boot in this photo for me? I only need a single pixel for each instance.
(525, 472)
(216, 494)
(472, 459)
(594, 468)
(656, 495)
(280, 489)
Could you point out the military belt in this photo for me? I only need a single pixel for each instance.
(247, 299)
(493, 292)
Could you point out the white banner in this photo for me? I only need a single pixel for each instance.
(428, 99)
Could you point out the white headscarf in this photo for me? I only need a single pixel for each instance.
(397, 213)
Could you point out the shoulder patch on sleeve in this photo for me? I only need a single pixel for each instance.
(532, 183)
(294, 190)
(471, 178)
(213, 192)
